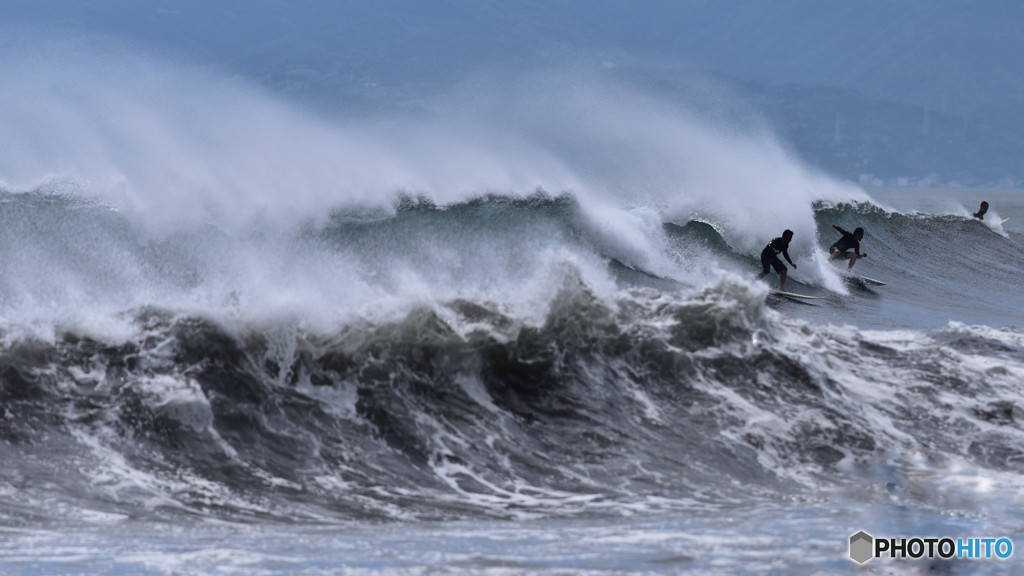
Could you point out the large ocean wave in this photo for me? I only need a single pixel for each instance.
(500, 357)
(505, 305)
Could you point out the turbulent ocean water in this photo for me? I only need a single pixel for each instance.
(264, 347)
(493, 386)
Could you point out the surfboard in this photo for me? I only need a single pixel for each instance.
(794, 295)
(845, 273)
(863, 279)
(1003, 221)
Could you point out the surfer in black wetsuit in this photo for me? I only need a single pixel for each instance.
(841, 249)
(980, 214)
(770, 257)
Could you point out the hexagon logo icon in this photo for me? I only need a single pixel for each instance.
(861, 544)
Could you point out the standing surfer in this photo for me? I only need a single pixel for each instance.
(980, 214)
(841, 249)
(770, 257)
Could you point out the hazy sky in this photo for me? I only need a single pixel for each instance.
(957, 54)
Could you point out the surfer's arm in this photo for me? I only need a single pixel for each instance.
(841, 231)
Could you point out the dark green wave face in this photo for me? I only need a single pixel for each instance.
(65, 257)
(939, 267)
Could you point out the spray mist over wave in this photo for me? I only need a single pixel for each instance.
(630, 148)
(172, 143)
(227, 196)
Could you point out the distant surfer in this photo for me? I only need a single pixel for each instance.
(770, 257)
(841, 249)
(980, 214)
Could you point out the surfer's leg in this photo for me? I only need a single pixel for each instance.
(853, 260)
(781, 269)
(766, 263)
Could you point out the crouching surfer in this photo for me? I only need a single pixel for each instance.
(842, 248)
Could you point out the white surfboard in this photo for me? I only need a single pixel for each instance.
(1003, 221)
(862, 279)
(871, 281)
(794, 295)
